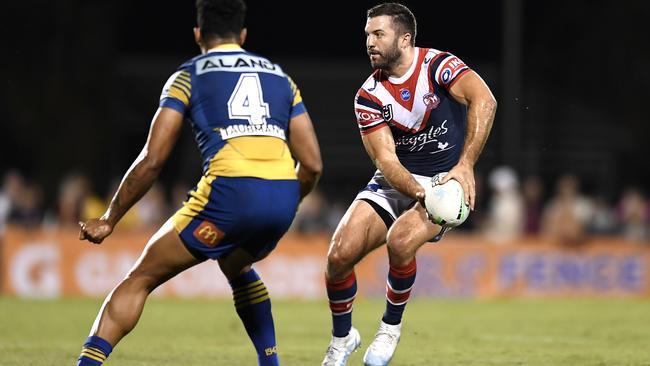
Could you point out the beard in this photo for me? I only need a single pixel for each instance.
(387, 59)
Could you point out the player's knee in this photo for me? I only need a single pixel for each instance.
(400, 246)
(141, 281)
(338, 262)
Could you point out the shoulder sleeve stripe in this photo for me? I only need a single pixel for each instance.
(184, 83)
(297, 97)
(179, 87)
(448, 69)
(370, 129)
(179, 94)
(459, 76)
(367, 103)
(185, 75)
(183, 88)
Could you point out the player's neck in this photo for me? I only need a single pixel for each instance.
(403, 64)
(216, 42)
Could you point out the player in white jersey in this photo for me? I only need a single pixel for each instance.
(420, 113)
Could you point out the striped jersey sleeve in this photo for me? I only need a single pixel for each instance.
(297, 105)
(177, 91)
(368, 111)
(448, 69)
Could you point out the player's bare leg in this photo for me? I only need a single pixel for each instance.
(409, 232)
(163, 258)
(360, 231)
(252, 303)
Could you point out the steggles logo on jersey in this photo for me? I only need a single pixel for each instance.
(431, 100)
(417, 142)
(405, 94)
(387, 112)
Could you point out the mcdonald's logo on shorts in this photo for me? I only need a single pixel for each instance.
(208, 234)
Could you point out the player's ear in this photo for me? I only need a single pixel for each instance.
(197, 35)
(242, 36)
(406, 40)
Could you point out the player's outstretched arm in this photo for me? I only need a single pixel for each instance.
(381, 148)
(138, 179)
(304, 148)
(472, 91)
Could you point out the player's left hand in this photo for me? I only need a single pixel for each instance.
(464, 174)
(94, 230)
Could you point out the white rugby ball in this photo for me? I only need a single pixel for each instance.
(445, 203)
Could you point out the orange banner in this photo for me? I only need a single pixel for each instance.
(52, 264)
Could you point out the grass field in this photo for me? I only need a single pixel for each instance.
(208, 332)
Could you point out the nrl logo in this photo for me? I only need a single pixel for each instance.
(387, 112)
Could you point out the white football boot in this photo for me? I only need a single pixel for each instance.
(340, 348)
(381, 350)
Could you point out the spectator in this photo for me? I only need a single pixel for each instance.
(27, 209)
(21, 201)
(5, 201)
(505, 208)
(77, 201)
(312, 215)
(566, 216)
(633, 215)
(533, 192)
(603, 220)
(152, 209)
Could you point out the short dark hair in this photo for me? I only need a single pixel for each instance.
(220, 18)
(402, 17)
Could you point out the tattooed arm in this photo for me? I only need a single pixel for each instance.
(163, 133)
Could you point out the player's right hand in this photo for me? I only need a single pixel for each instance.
(94, 230)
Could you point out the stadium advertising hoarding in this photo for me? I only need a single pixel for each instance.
(53, 264)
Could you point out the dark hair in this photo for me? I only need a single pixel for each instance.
(402, 17)
(220, 18)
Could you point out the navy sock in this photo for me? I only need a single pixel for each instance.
(94, 352)
(341, 295)
(398, 290)
(254, 309)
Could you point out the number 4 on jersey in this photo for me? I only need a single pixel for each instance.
(247, 100)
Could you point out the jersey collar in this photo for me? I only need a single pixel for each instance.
(226, 47)
(409, 72)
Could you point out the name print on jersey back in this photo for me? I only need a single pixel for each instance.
(237, 63)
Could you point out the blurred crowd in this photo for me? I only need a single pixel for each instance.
(507, 208)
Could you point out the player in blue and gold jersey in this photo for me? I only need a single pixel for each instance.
(260, 157)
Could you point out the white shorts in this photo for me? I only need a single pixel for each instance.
(382, 197)
(391, 200)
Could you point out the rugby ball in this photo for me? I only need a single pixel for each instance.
(445, 203)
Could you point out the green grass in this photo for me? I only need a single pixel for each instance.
(208, 332)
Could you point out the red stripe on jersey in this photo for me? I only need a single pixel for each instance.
(409, 85)
(458, 77)
(365, 117)
(373, 129)
(395, 297)
(365, 94)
